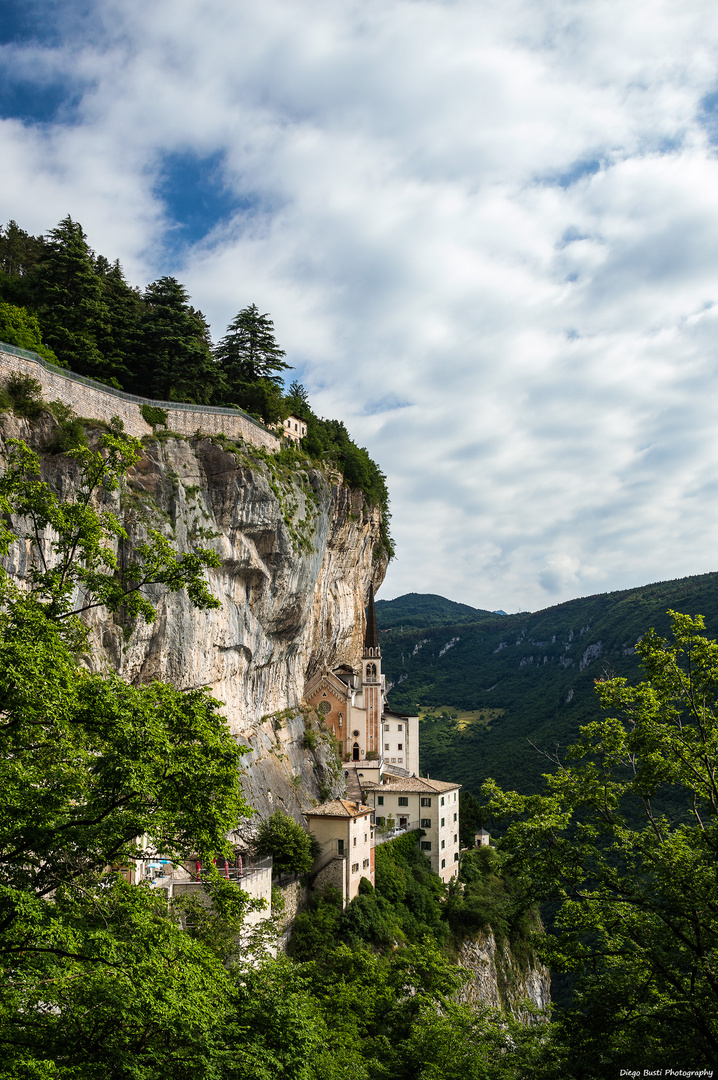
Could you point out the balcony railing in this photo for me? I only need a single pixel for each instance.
(382, 833)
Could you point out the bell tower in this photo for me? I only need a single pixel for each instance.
(372, 680)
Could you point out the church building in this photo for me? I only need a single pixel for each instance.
(352, 703)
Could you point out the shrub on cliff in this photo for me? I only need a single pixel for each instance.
(292, 847)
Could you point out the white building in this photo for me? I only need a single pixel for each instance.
(345, 832)
(295, 429)
(403, 803)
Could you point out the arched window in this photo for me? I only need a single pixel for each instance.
(355, 752)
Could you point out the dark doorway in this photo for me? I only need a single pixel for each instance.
(355, 752)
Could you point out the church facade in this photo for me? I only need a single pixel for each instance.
(352, 703)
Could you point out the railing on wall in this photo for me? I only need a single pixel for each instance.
(177, 406)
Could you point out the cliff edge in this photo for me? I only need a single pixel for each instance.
(297, 552)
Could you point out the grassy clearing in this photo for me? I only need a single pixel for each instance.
(464, 717)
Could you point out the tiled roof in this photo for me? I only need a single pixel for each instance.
(410, 784)
(338, 808)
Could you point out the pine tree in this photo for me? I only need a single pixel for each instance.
(72, 309)
(178, 364)
(248, 351)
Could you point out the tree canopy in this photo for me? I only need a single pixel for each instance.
(74, 307)
(625, 843)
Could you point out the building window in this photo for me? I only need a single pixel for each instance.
(381, 821)
(400, 761)
(355, 841)
(355, 868)
(456, 856)
(400, 727)
(442, 800)
(426, 823)
(426, 845)
(403, 800)
(443, 863)
(386, 727)
(366, 837)
(456, 817)
(443, 822)
(400, 746)
(456, 838)
(426, 802)
(340, 847)
(386, 745)
(380, 800)
(443, 844)
(365, 864)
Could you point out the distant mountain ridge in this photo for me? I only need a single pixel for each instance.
(425, 609)
(518, 679)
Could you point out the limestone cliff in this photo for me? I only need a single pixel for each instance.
(297, 552)
(497, 978)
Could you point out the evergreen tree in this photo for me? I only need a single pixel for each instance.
(72, 308)
(120, 340)
(177, 364)
(19, 251)
(248, 351)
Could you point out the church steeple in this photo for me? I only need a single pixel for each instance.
(371, 635)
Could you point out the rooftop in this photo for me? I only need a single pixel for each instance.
(339, 808)
(410, 784)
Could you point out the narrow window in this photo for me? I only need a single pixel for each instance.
(380, 800)
(340, 847)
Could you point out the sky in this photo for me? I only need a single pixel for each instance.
(486, 231)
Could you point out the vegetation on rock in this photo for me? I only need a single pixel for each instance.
(60, 299)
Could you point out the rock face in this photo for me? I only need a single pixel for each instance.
(497, 979)
(297, 552)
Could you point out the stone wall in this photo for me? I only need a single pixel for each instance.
(91, 400)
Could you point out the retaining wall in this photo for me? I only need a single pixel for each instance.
(92, 400)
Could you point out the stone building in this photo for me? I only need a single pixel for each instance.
(345, 832)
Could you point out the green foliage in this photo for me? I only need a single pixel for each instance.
(20, 327)
(635, 882)
(470, 818)
(71, 308)
(69, 434)
(94, 973)
(83, 555)
(248, 352)
(156, 345)
(176, 337)
(154, 415)
(531, 707)
(292, 848)
(24, 396)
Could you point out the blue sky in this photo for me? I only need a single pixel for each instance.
(487, 235)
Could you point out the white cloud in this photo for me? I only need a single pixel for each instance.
(486, 234)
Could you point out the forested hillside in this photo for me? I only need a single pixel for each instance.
(76, 309)
(494, 691)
